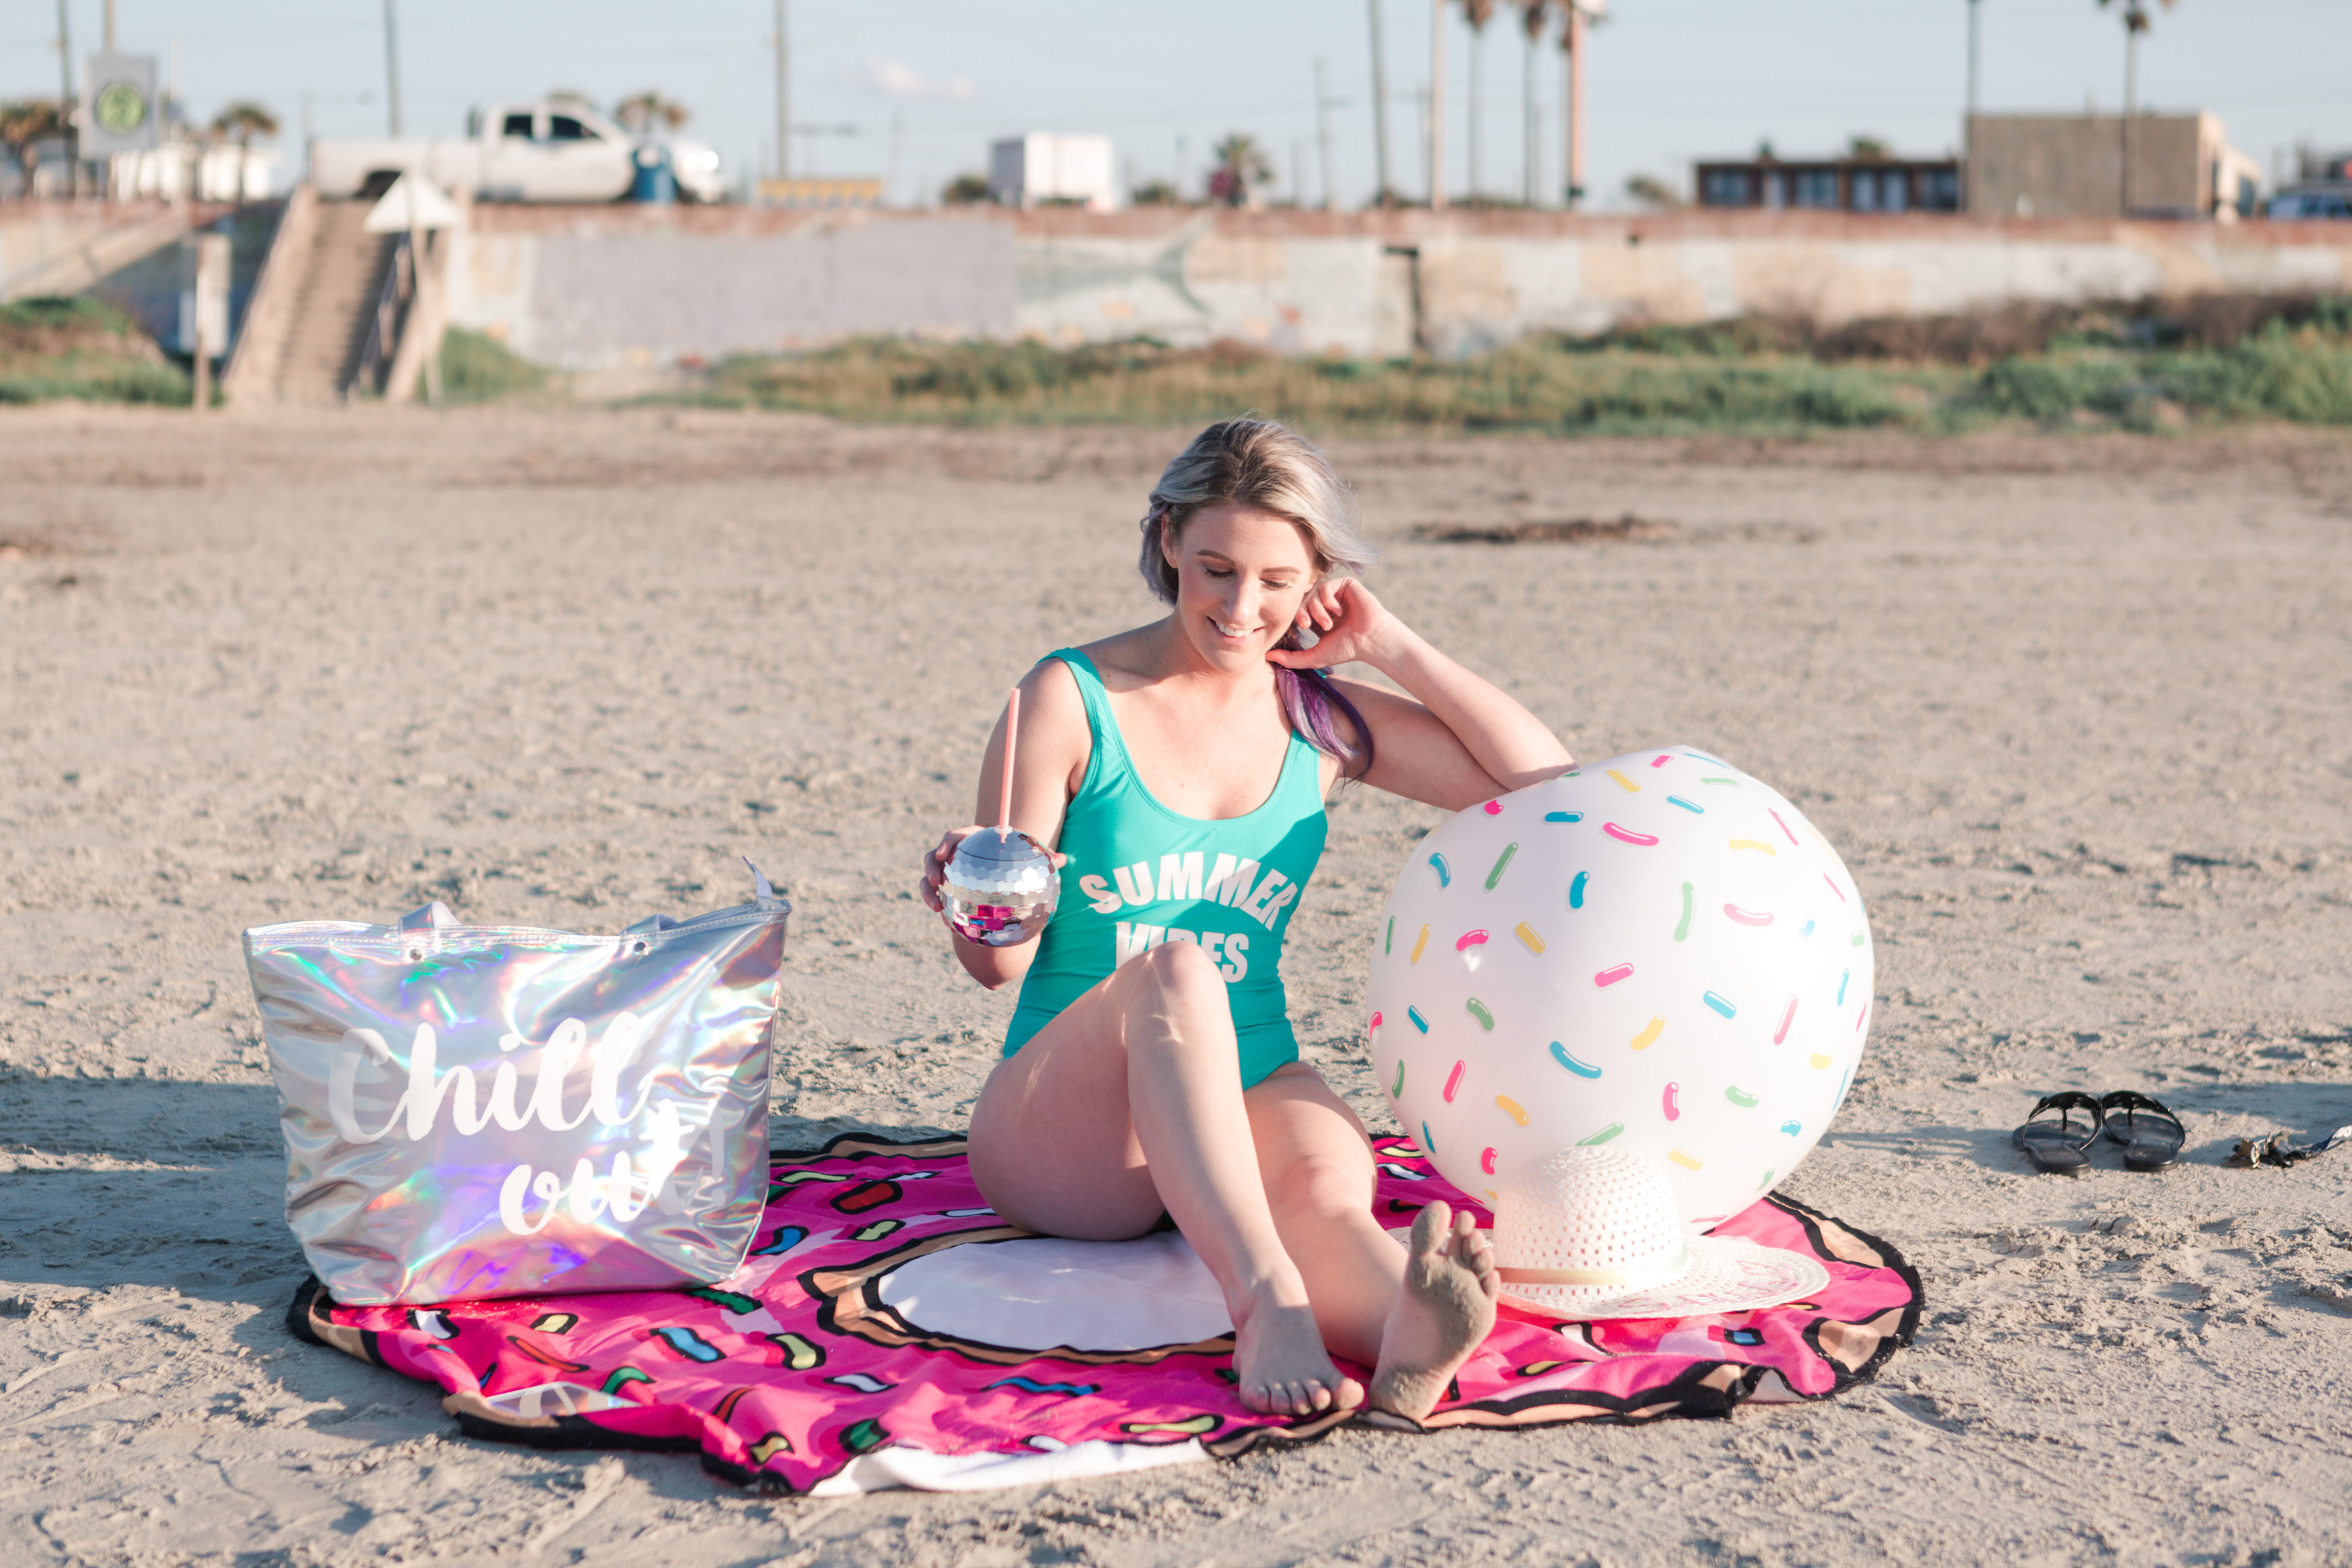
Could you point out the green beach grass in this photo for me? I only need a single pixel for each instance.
(2138, 368)
(54, 348)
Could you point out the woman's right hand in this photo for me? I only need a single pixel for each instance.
(935, 865)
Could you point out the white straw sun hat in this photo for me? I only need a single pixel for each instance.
(1594, 1233)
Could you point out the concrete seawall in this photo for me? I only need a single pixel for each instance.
(586, 289)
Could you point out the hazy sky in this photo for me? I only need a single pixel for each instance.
(1669, 80)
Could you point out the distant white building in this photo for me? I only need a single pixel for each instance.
(180, 170)
(1041, 167)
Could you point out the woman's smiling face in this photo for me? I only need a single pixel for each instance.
(1241, 574)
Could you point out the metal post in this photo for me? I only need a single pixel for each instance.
(783, 93)
(212, 310)
(109, 27)
(392, 69)
(1385, 192)
(1437, 105)
(1323, 135)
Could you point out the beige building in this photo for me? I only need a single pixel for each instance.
(2073, 165)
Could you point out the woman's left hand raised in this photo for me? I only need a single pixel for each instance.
(1350, 627)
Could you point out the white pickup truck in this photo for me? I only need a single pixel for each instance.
(557, 150)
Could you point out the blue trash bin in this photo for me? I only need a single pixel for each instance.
(656, 182)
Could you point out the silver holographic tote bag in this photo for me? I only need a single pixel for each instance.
(497, 1110)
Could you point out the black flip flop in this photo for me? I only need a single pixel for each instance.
(2060, 1145)
(2151, 1135)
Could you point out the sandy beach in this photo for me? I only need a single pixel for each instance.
(2077, 709)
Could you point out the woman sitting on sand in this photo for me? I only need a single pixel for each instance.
(1181, 769)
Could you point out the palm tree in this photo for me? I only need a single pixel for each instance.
(1241, 170)
(1477, 13)
(241, 122)
(2137, 20)
(1533, 15)
(25, 121)
(642, 112)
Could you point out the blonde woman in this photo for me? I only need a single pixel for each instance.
(1181, 770)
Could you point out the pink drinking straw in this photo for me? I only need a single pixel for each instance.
(1004, 795)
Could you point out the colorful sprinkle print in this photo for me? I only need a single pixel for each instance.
(1595, 1139)
(1487, 1161)
(1751, 900)
(1582, 1069)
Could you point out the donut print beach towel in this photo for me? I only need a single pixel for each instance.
(888, 1330)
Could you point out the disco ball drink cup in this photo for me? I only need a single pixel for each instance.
(1000, 887)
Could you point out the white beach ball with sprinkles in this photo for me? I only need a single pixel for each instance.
(1658, 953)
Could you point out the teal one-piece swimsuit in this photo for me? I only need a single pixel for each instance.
(1138, 874)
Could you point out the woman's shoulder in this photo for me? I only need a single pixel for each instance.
(1121, 662)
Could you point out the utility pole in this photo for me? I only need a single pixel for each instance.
(1323, 135)
(392, 69)
(65, 100)
(2133, 22)
(1437, 105)
(109, 27)
(783, 95)
(1379, 112)
(1968, 126)
(1976, 17)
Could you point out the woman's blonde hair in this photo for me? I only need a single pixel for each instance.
(1260, 464)
(1255, 463)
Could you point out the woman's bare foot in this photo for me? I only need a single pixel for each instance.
(1446, 1307)
(1283, 1370)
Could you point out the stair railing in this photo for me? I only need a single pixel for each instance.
(392, 308)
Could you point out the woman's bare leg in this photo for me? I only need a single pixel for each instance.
(1411, 1314)
(1131, 1100)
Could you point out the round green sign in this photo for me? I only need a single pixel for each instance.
(120, 108)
